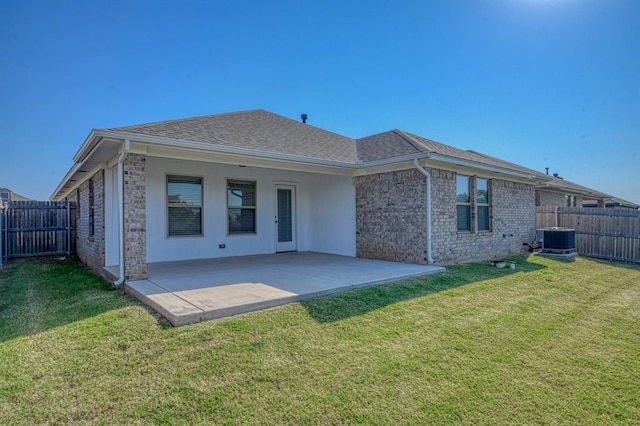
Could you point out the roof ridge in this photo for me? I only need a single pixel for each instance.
(175, 120)
(411, 140)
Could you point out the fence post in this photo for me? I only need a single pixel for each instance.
(68, 229)
(1, 233)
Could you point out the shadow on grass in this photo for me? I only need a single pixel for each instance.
(627, 265)
(40, 294)
(358, 302)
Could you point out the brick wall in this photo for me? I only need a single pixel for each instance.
(135, 223)
(391, 216)
(553, 199)
(90, 247)
(391, 219)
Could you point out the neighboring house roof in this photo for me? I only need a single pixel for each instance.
(14, 196)
(562, 185)
(614, 202)
(255, 129)
(397, 143)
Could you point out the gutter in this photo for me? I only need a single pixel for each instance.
(224, 149)
(125, 150)
(64, 180)
(424, 171)
(480, 166)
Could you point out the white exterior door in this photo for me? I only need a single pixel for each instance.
(285, 218)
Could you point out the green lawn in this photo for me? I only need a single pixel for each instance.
(551, 342)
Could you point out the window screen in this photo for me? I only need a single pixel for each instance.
(482, 204)
(463, 203)
(241, 205)
(184, 205)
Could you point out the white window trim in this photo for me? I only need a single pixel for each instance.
(473, 206)
(229, 206)
(168, 205)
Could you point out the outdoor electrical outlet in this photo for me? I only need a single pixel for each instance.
(222, 246)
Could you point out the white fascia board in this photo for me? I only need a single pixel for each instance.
(391, 160)
(90, 143)
(89, 146)
(568, 191)
(235, 159)
(208, 147)
(63, 182)
(480, 166)
(86, 176)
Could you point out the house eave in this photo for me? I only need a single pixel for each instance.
(576, 192)
(224, 149)
(480, 166)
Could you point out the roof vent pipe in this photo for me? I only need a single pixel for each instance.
(546, 169)
(303, 117)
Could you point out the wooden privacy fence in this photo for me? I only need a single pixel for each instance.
(38, 228)
(605, 233)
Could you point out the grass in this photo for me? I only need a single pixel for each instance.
(551, 342)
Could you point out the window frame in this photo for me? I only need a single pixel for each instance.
(466, 204)
(479, 204)
(92, 208)
(169, 205)
(253, 207)
(473, 205)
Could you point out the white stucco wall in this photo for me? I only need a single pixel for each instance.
(325, 211)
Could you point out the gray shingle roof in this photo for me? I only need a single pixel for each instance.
(255, 129)
(396, 143)
(560, 184)
(264, 131)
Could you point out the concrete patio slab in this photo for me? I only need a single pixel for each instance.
(198, 290)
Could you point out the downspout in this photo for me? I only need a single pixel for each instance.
(428, 176)
(123, 154)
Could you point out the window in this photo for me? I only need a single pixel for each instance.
(4, 196)
(463, 202)
(570, 200)
(241, 205)
(184, 205)
(92, 224)
(482, 204)
(473, 213)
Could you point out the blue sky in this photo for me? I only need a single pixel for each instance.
(542, 83)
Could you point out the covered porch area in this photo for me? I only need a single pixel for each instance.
(191, 291)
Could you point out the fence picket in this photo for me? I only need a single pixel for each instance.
(38, 228)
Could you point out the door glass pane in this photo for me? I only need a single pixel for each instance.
(285, 219)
